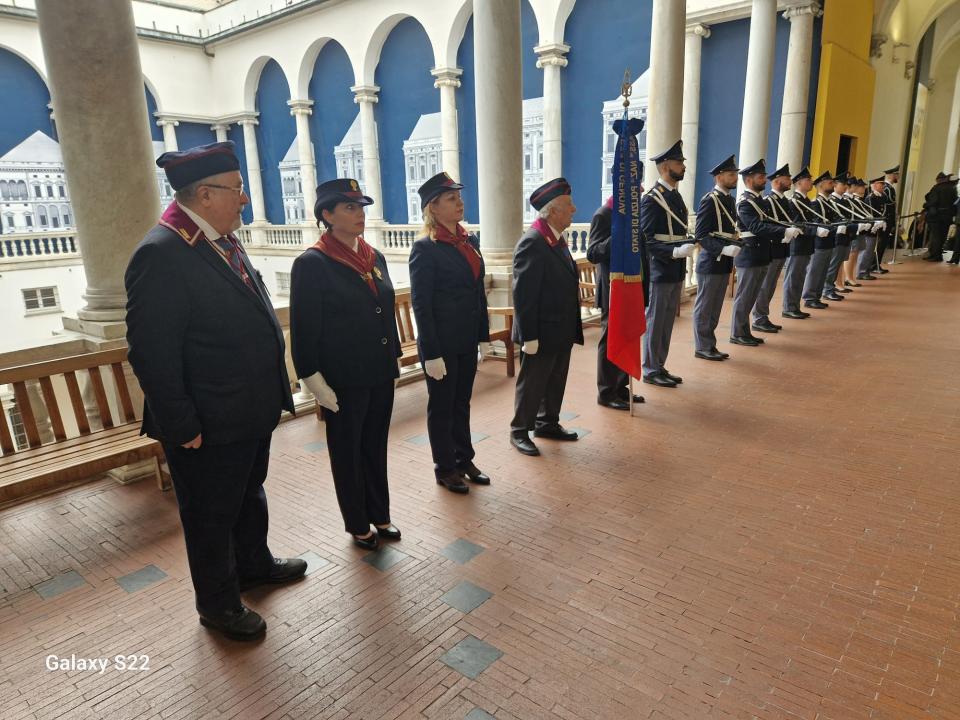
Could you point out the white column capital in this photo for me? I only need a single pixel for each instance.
(699, 29)
(166, 120)
(300, 107)
(365, 93)
(248, 119)
(224, 126)
(552, 54)
(803, 8)
(446, 76)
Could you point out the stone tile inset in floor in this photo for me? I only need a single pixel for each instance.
(315, 447)
(139, 579)
(314, 561)
(461, 551)
(471, 657)
(418, 440)
(59, 584)
(567, 415)
(466, 597)
(476, 437)
(581, 432)
(478, 714)
(384, 558)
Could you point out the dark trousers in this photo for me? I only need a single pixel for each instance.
(883, 242)
(448, 413)
(540, 385)
(936, 237)
(223, 509)
(357, 442)
(612, 382)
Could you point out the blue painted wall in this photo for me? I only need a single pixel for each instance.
(466, 120)
(156, 132)
(333, 107)
(275, 132)
(594, 75)
(23, 88)
(235, 133)
(407, 92)
(191, 134)
(814, 80)
(529, 39)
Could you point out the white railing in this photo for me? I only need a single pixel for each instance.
(47, 245)
(279, 236)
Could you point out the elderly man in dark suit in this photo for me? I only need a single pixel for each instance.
(546, 300)
(209, 354)
(613, 384)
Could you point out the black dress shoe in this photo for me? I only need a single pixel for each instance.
(865, 277)
(847, 283)
(636, 399)
(836, 297)
(766, 326)
(283, 570)
(659, 380)
(522, 442)
(670, 376)
(615, 404)
(453, 482)
(390, 532)
(745, 340)
(844, 290)
(881, 271)
(555, 432)
(725, 355)
(816, 305)
(240, 624)
(795, 314)
(708, 355)
(371, 542)
(474, 475)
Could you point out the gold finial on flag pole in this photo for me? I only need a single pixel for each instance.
(627, 88)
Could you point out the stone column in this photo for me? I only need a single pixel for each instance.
(221, 129)
(169, 127)
(300, 109)
(499, 117)
(255, 191)
(690, 131)
(950, 155)
(551, 58)
(759, 84)
(666, 78)
(447, 81)
(366, 97)
(796, 86)
(80, 40)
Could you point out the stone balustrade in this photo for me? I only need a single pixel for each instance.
(47, 245)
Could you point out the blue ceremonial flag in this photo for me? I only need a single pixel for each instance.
(627, 321)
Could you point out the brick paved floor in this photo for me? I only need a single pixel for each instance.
(778, 538)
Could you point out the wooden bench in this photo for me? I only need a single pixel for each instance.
(72, 454)
(588, 290)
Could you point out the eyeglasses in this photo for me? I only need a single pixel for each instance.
(237, 190)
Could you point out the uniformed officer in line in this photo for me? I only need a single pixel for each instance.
(843, 210)
(876, 200)
(716, 232)
(891, 178)
(866, 241)
(779, 208)
(546, 302)
(208, 352)
(824, 245)
(613, 384)
(663, 222)
(801, 247)
(939, 207)
(757, 232)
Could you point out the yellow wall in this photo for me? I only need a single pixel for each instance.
(845, 86)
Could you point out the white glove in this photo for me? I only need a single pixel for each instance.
(323, 392)
(822, 232)
(436, 368)
(684, 251)
(877, 227)
(530, 347)
(482, 351)
(952, 231)
(842, 230)
(862, 228)
(791, 233)
(731, 250)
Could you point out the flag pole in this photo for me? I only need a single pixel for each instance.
(626, 90)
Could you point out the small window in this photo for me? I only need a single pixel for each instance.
(49, 191)
(37, 192)
(63, 190)
(283, 283)
(40, 300)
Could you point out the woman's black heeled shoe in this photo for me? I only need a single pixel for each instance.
(390, 532)
(367, 543)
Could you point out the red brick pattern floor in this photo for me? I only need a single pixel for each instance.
(777, 538)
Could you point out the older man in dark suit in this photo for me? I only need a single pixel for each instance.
(209, 354)
(546, 300)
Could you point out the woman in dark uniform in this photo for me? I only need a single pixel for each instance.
(345, 346)
(450, 307)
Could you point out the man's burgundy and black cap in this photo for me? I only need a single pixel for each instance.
(187, 166)
(549, 191)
